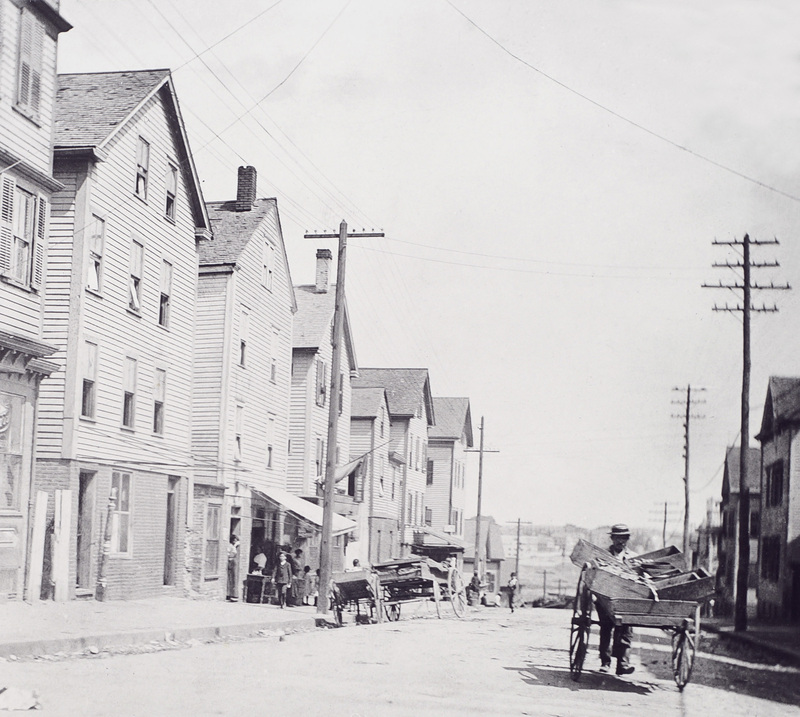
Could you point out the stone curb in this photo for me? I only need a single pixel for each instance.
(51, 646)
(786, 653)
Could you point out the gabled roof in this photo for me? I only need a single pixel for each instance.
(313, 322)
(233, 230)
(782, 406)
(406, 389)
(453, 419)
(490, 537)
(91, 108)
(730, 476)
(366, 402)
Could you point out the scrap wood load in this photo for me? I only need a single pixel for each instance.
(659, 575)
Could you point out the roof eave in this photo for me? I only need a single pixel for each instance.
(51, 15)
(23, 167)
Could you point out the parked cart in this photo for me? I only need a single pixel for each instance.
(652, 591)
(356, 590)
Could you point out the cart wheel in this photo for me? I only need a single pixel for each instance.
(393, 612)
(458, 592)
(579, 629)
(684, 647)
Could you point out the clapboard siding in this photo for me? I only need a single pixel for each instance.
(29, 139)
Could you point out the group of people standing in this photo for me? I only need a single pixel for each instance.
(295, 584)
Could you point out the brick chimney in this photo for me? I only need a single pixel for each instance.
(324, 257)
(246, 189)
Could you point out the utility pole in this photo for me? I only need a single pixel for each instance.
(516, 562)
(480, 451)
(746, 307)
(687, 417)
(329, 489)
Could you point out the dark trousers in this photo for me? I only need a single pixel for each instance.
(511, 599)
(233, 590)
(283, 589)
(623, 636)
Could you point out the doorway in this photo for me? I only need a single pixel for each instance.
(83, 573)
(170, 538)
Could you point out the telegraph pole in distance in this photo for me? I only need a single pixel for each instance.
(480, 451)
(740, 610)
(686, 536)
(329, 488)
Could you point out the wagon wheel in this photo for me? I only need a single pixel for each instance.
(579, 628)
(684, 649)
(393, 612)
(458, 592)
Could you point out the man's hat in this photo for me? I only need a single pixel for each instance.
(620, 529)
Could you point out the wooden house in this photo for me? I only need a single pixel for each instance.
(243, 356)
(778, 589)
(492, 570)
(411, 413)
(115, 419)
(28, 41)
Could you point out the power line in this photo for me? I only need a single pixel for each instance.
(619, 116)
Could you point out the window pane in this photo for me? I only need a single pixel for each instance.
(124, 521)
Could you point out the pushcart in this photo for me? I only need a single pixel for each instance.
(671, 603)
(356, 590)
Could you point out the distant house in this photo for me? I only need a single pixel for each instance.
(115, 420)
(242, 367)
(312, 354)
(779, 557)
(411, 413)
(446, 467)
(729, 537)
(28, 46)
(495, 573)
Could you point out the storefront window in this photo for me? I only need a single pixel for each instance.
(10, 451)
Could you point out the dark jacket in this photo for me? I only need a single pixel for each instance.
(283, 573)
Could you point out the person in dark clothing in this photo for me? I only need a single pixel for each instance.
(282, 578)
(623, 635)
(233, 569)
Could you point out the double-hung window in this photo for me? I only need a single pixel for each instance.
(238, 425)
(159, 399)
(96, 233)
(142, 167)
(269, 265)
(172, 191)
(270, 439)
(166, 294)
(121, 515)
(774, 484)
(23, 228)
(213, 531)
(29, 68)
(89, 391)
(322, 382)
(244, 323)
(273, 356)
(129, 392)
(135, 280)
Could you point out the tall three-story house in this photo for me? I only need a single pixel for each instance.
(28, 43)
(115, 419)
(448, 441)
(243, 358)
(411, 413)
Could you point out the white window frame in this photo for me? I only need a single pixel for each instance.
(321, 382)
(171, 191)
(159, 400)
(269, 265)
(165, 296)
(121, 520)
(273, 358)
(89, 380)
(212, 532)
(270, 440)
(23, 234)
(244, 324)
(238, 426)
(136, 275)
(142, 168)
(96, 234)
(129, 371)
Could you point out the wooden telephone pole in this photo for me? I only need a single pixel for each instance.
(480, 451)
(746, 307)
(329, 487)
(687, 417)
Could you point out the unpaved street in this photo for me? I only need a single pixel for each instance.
(491, 663)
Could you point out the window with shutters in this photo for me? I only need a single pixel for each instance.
(121, 514)
(89, 392)
(172, 191)
(94, 273)
(213, 515)
(142, 167)
(166, 293)
(159, 400)
(23, 229)
(29, 64)
(135, 280)
(129, 392)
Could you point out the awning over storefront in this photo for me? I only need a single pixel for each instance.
(304, 509)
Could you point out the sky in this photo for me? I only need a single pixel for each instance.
(550, 178)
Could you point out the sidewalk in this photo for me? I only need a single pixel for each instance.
(47, 628)
(783, 641)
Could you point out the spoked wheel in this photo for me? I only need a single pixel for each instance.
(393, 612)
(458, 592)
(579, 629)
(684, 648)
